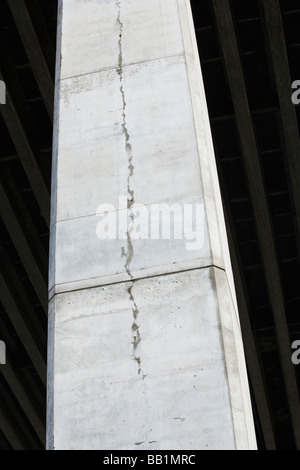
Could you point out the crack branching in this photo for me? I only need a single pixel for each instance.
(135, 327)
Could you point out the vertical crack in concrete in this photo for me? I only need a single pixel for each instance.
(130, 192)
(129, 252)
(135, 330)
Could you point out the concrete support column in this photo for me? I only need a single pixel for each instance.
(145, 348)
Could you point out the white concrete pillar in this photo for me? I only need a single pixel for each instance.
(145, 348)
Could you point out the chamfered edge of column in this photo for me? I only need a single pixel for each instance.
(245, 433)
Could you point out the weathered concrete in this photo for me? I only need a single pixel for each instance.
(145, 347)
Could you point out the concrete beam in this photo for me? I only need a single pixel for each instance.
(25, 400)
(275, 42)
(12, 422)
(21, 315)
(25, 239)
(26, 155)
(34, 52)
